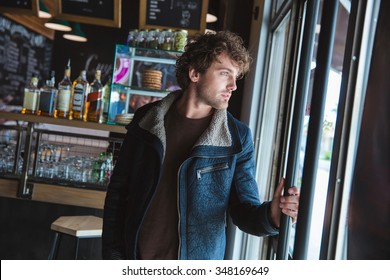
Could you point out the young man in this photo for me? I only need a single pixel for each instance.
(186, 163)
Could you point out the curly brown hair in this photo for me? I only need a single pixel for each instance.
(201, 52)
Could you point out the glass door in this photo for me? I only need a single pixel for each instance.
(289, 94)
(269, 120)
(316, 220)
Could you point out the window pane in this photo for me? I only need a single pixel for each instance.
(268, 123)
(329, 122)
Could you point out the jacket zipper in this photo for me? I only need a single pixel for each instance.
(218, 167)
(225, 165)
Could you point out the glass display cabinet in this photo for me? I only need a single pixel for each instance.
(140, 76)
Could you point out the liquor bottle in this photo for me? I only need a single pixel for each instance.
(31, 97)
(79, 93)
(64, 95)
(48, 97)
(105, 101)
(94, 99)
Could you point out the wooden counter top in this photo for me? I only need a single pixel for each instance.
(64, 122)
(56, 194)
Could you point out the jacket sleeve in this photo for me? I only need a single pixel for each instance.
(245, 207)
(113, 246)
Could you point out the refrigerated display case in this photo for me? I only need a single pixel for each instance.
(130, 87)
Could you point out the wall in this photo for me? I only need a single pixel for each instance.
(23, 53)
(99, 50)
(369, 212)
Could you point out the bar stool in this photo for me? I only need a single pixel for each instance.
(76, 226)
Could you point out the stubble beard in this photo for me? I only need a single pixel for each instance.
(211, 99)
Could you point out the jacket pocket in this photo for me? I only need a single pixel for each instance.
(213, 168)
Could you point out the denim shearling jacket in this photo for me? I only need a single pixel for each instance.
(216, 180)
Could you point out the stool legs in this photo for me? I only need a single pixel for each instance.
(54, 248)
(56, 244)
(78, 227)
(76, 251)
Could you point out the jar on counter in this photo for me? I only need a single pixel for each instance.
(152, 38)
(166, 40)
(180, 40)
(132, 38)
(142, 38)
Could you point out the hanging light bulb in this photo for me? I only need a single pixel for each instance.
(76, 35)
(59, 25)
(43, 11)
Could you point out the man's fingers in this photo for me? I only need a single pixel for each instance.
(280, 187)
(294, 191)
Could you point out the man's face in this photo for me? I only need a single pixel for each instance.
(215, 86)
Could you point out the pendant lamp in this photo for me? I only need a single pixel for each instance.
(76, 35)
(59, 25)
(43, 11)
(211, 18)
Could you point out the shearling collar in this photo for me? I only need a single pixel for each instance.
(217, 134)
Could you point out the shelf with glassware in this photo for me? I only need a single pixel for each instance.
(140, 76)
(54, 164)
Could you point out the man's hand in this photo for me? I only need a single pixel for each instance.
(284, 204)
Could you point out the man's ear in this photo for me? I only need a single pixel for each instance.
(194, 75)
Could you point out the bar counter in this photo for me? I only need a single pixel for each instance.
(23, 186)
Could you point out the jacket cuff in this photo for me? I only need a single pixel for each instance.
(267, 223)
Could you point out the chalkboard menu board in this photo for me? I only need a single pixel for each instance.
(27, 7)
(174, 14)
(23, 53)
(102, 12)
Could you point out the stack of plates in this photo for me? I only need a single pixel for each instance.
(123, 118)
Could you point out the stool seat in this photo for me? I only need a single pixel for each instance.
(79, 226)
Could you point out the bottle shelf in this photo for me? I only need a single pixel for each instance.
(154, 59)
(63, 122)
(141, 91)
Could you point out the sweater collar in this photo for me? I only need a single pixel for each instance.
(217, 134)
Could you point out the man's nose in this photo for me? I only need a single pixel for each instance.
(232, 86)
